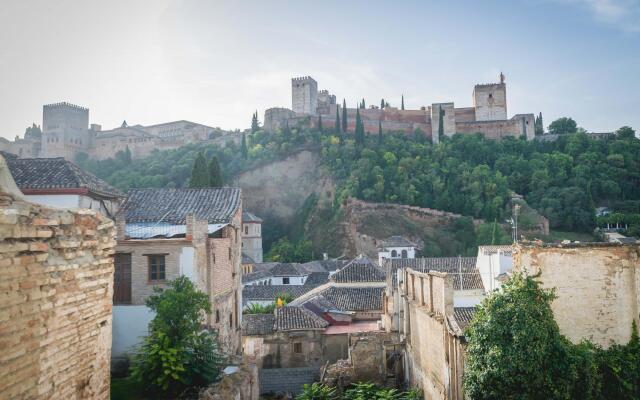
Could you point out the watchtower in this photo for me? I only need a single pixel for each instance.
(65, 130)
(490, 101)
(304, 95)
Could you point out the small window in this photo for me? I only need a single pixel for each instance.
(156, 268)
(394, 254)
(231, 320)
(285, 281)
(246, 229)
(297, 347)
(217, 316)
(404, 254)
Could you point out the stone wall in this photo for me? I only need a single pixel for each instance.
(597, 287)
(56, 280)
(238, 383)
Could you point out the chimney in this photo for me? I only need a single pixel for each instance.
(190, 221)
(120, 226)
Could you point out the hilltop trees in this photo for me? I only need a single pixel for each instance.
(337, 126)
(255, 125)
(215, 174)
(344, 116)
(402, 103)
(563, 126)
(538, 125)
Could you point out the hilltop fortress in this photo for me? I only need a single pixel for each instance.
(487, 116)
(66, 133)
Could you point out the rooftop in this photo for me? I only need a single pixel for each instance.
(258, 324)
(272, 292)
(463, 315)
(248, 217)
(396, 241)
(215, 205)
(354, 298)
(57, 175)
(359, 272)
(462, 269)
(294, 318)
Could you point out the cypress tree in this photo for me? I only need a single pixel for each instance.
(254, 122)
(287, 131)
(379, 132)
(440, 122)
(359, 132)
(320, 123)
(199, 173)
(402, 104)
(344, 116)
(381, 104)
(337, 127)
(244, 149)
(215, 174)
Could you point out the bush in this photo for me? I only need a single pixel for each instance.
(178, 354)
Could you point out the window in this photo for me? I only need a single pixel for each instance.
(404, 254)
(217, 316)
(394, 254)
(297, 347)
(231, 320)
(285, 281)
(156, 268)
(246, 229)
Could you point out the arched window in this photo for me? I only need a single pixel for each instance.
(394, 254)
(404, 254)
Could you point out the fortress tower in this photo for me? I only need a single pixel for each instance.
(65, 130)
(490, 101)
(304, 95)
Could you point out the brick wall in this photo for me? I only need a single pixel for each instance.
(56, 284)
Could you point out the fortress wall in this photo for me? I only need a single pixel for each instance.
(492, 129)
(466, 114)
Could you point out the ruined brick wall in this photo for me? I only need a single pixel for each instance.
(56, 279)
(433, 353)
(597, 287)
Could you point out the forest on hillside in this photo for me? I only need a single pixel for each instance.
(564, 180)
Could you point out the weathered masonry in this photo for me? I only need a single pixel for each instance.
(597, 287)
(56, 274)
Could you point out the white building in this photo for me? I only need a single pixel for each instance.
(60, 183)
(494, 264)
(396, 247)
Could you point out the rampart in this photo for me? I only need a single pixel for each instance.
(56, 279)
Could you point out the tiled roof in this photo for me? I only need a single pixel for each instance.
(287, 269)
(271, 292)
(248, 217)
(57, 173)
(354, 298)
(316, 278)
(216, 205)
(356, 272)
(463, 315)
(323, 265)
(246, 259)
(396, 241)
(462, 269)
(258, 324)
(291, 318)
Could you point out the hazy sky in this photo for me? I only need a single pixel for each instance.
(216, 62)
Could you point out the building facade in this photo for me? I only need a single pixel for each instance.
(252, 236)
(167, 233)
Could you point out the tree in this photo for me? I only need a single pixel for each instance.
(337, 126)
(626, 132)
(440, 122)
(382, 103)
(243, 148)
(402, 103)
(344, 116)
(199, 173)
(359, 132)
(33, 132)
(215, 174)
(538, 125)
(515, 349)
(320, 123)
(255, 125)
(563, 126)
(287, 131)
(177, 354)
(380, 138)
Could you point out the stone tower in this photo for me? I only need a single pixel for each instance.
(490, 101)
(304, 95)
(65, 130)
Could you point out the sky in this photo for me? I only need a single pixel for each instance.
(216, 62)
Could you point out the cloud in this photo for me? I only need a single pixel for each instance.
(622, 14)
